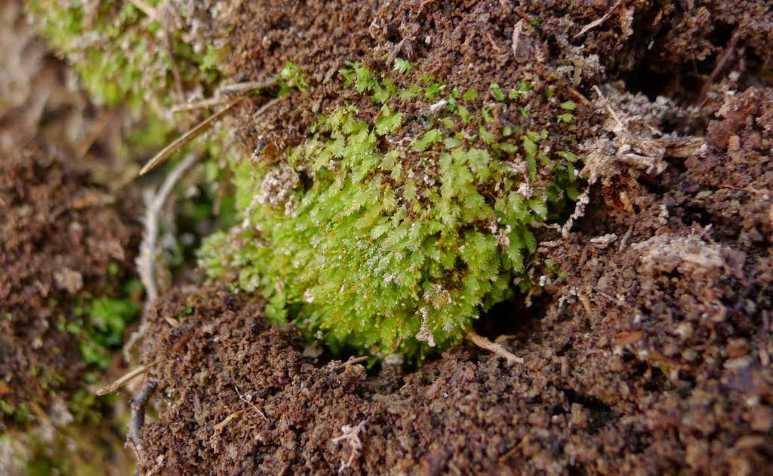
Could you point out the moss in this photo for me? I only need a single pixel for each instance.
(392, 235)
(122, 55)
(100, 324)
(19, 413)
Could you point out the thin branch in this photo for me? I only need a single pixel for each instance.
(493, 347)
(203, 104)
(598, 21)
(137, 421)
(184, 139)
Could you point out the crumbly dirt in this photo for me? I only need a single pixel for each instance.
(648, 351)
(678, 49)
(647, 347)
(58, 236)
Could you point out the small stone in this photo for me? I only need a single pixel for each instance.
(737, 348)
(761, 419)
(579, 416)
(69, 280)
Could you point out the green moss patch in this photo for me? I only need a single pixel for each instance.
(392, 233)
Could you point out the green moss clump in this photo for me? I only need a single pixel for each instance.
(122, 55)
(391, 235)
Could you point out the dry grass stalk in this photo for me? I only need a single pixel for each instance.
(123, 380)
(203, 104)
(184, 139)
(246, 86)
(146, 9)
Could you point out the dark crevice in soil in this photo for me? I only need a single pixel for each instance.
(511, 318)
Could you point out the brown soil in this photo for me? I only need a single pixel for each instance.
(660, 48)
(59, 234)
(647, 350)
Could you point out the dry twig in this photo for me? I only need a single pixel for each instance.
(493, 347)
(138, 404)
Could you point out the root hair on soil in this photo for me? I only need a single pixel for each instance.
(146, 259)
(350, 434)
(250, 403)
(599, 21)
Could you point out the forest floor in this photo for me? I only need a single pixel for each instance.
(646, 350)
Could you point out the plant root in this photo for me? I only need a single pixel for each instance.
(598, 21)
(146, 267)
(493, 347)
(249, 402)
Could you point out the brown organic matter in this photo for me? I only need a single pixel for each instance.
(643, 344)
(59, 235)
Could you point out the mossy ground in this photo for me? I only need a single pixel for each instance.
(384, 162)
(390, 234)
